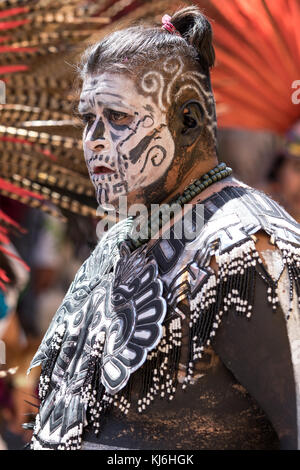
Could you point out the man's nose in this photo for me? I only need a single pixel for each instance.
(96, 140)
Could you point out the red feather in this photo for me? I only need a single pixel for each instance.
(257, 58)
(7, 186)
(12, 24)
(5, 69)
(13, 12)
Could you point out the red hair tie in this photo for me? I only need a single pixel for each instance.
(166, 24)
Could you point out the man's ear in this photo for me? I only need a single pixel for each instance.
(191, 121)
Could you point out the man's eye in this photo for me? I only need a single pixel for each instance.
(119, 118)
(88, 118)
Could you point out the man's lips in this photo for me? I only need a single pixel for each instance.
(101, 170)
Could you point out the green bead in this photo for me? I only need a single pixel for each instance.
(214, 178)
(192, 186)
(205, 177)
(193, 193)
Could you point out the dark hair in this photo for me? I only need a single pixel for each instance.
(137, 46)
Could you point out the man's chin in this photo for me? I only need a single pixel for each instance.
(115, 204)
(121, 203)
(110, 206)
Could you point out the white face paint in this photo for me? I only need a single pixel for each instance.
(127, 144)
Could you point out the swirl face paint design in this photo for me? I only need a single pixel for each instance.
(127, 144)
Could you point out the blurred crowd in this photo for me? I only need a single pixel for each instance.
(54, 250)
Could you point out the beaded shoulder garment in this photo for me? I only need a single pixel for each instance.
(122, 311)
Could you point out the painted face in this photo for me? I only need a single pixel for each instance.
(127, 144)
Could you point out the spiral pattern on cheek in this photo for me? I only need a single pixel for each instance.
(156, 154)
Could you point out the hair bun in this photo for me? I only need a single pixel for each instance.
(195, 28)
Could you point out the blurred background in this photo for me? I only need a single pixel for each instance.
(47, 205)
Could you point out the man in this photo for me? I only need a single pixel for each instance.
(137, 322)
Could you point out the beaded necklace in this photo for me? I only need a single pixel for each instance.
(218, 173)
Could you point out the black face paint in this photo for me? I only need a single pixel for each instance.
(134, 131)
(110, 94)
(159, 154)
(98, 131)
(95, 157)
(114, 137)
(120, 187)
(135, 153)
(89, 125)
(149, 108)
(92, 102)
(89, 89)
(118, 127)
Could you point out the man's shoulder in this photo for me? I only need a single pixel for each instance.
(241, 197)
(246, 210)
(230, 218)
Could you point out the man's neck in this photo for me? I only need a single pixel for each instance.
(194, 173)
(191, 175)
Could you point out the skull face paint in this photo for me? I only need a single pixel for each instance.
(127, 144)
